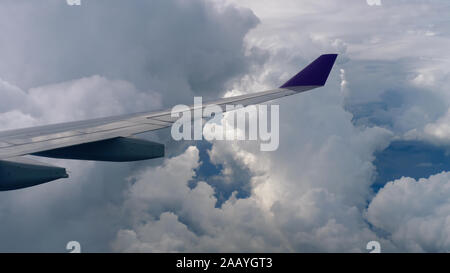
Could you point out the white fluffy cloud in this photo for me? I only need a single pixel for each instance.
(79, 99)
(415, 213)
(282, 214)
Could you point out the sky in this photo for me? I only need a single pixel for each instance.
(365, 158)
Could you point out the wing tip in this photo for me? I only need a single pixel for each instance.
(315, 74)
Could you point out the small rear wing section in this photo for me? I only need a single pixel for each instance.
(315, 74)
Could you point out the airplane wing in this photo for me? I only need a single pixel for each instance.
(110, 136)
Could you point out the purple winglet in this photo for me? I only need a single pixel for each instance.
(315, 74)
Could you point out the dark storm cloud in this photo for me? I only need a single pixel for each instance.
(179, 48)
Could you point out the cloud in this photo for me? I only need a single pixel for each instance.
(167, 215)
(177, 48)
(415, 213)
(157, 189)
(85, 98)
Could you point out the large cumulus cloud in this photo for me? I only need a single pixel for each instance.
(415, 213)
